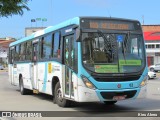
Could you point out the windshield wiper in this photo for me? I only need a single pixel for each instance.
(107, 44)
(124, 51)
(126, 40)
(125, 45)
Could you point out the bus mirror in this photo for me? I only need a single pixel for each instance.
(77, 35)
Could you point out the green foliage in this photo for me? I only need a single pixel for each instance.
(12, 7)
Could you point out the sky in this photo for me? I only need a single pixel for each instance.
(57, 11)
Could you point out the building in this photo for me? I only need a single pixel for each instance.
(152, 40)
(4, 45)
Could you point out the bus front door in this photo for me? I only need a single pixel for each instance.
(35, 67)
(68, 76)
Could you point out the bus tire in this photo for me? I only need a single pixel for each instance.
(21, 86)
(109, 102)
(59, 98)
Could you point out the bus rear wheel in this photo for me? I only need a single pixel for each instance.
(59, 98)
(21, 86)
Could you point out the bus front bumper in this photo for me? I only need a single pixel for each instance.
(90, 95)
(123, 94)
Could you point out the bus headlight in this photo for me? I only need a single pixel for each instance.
(144, 82)
(87, 82)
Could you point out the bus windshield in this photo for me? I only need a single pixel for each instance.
(113, 53)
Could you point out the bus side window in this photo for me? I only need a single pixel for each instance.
(22, 52)
(56, 42)
(16, 56)
(42, 47)
(11, 55)
(28, 50)
(46, 46)
(34, 54)
(19, 53)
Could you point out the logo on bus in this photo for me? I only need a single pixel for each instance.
(119, 85)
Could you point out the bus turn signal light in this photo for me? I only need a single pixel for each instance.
(144, 82)
(87, 83)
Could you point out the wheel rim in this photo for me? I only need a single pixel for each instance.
(59, 95)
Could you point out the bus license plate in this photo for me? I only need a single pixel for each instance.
(119, 97)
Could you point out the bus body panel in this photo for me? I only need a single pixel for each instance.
(87, 95)
(24, 69)
(46, 72)
(75, 86)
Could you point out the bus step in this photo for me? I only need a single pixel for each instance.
(35, 91)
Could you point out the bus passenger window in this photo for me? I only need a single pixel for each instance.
(35, 52)
(22, 51)
(16, 56)
(28, 50)
(11, 55)
(46, 47)
(56, 52)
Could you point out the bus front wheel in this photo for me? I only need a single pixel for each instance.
(59, 98)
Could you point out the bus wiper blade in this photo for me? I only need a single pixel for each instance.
(107, 43)
(126, 40)
(124, 45)
(123, 51)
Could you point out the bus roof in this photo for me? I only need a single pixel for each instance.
(48, 29)
(73, 21)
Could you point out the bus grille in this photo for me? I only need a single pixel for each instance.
(110, 95)
(116, 79)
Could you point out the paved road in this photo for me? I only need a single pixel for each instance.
(11, 100)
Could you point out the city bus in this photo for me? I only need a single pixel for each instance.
(84, 59)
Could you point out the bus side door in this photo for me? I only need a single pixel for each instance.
(69, 76)
(35, 65)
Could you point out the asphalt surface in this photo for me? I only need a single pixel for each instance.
(12, 100)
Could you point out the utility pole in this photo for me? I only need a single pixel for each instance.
(143, 19)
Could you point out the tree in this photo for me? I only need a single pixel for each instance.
(12, 7)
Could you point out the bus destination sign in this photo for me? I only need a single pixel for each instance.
(110, 24)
